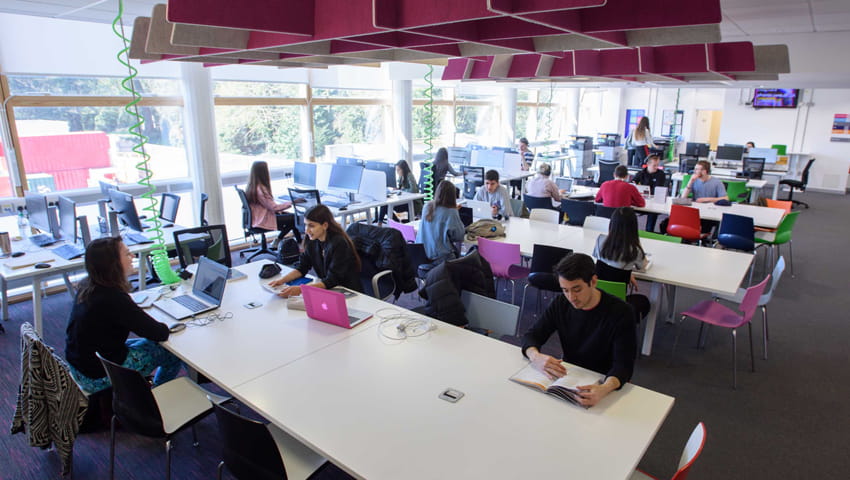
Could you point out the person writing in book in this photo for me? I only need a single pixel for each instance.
(596, 331)
(328, 251)
(495, 194)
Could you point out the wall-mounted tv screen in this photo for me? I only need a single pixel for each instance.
(775, 97)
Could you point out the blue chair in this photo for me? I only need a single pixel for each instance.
(537, 202)
(603, 211)
(541, 276)
(737, 233)
(577, 210)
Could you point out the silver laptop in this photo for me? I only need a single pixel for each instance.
(564, 183)
(480, 209)
(207, 292)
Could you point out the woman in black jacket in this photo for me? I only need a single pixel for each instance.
(102, 318)
(328, 251)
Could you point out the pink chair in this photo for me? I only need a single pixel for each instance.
(690, 453)
(407, 231)
(504, 259)
(713, 313)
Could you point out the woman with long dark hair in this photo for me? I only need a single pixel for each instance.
(621, 249)
(442, 166)
(405, 182)
(640, 139)
(265, 212)
(328, 251)
(441, 226)
(103, 316)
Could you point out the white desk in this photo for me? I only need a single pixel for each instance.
(372, 408)
(698, 268)
(762, 216)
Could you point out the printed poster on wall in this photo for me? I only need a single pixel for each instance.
(840, 128)
(633, 116)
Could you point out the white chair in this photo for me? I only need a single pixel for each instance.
(486, 313)
(597, 223)
(690, 453)
(738, 297)
(545, 215)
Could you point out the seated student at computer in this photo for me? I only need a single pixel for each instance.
(750, 145)
(328, 251)
(441, 227)
(652, 176)
(619, 192)
(596, 330)
(442, 166)
(495, 194)
(540, 185)
(706, 189)
(102, 317)
(267, 213)
(621, 249)
(406, 182)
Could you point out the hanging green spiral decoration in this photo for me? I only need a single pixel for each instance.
(159, 253)
(428, 171)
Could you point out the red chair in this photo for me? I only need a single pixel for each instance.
(713, 313)
(684, 223)
(504, 259)
(690, 453)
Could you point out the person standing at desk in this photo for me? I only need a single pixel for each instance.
(102, 318)
(406, 182)
(441, 226)
(652, 176)
(640, 139)
(328, 251)
(495, 194)
(542, 186)
(527, 159)
(596, 330)
(442, 166)
(265, 212)
(619, 192)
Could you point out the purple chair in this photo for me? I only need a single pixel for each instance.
(713, 313)
(504, 259)
(407, 231)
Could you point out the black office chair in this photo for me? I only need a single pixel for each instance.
(537, 202)
(204, 199)
(753, 168)
(606, 171)
(303, 199)
(249, 230)
(577, 210)
(256, 450)
(473, 177)
(168, 205)
(801, 184)
(543, 258)
(208, 241)
(603, 211)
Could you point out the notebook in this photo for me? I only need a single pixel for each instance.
(207, 292)
(329, 306)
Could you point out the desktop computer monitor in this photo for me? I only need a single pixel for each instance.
(304, 174)
(105, 187)
(768, 154)
(68, 219)
(687, 163)
(345, 178)
(488, 158)
(387, 168)
(123, 204)
(348, 161)
(458, 156)
(39, 214)
(697, 149)
(730, 153)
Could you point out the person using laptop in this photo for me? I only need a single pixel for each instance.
(619, 192)
(652, 176)
(495, 194)
(596, 330)
(541, 186)
(265, 212)
(328, 251)
(102, 317)
(405, 182)
(441, 226)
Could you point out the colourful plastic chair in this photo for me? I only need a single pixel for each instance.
(736, 233)
(782, 204)
(407, 231)
(684, 223)
(577, 210)
(737, 191)
(780, 149)
(781, 236)
(692, 451)
(713, 313)
(659, 236)
(504, 259)
(685, 179)
(618, 289)
(763, 300)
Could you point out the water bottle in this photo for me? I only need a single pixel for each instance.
(23, 224)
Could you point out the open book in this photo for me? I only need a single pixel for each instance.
(565, 388)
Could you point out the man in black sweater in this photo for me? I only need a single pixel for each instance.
(652, 176)
(596, 330)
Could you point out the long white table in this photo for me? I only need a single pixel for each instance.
(370, 404)
(762, 216)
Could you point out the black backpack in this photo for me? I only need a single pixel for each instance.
(288, 251)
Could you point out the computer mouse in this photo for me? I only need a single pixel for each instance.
(42, 265)
(18, 254)
(168, 225)
(342, 209)
(177, 327)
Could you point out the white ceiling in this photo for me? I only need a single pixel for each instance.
(101, 11)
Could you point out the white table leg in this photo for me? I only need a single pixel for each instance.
(776, 190)
(36, 306)
(649, 327)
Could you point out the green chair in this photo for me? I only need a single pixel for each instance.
(781, 236)
(659, 236)
(685, 179)
(618, 289)
(780, 149)
(737, 191)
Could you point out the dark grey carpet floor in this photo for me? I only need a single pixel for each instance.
(789, 419)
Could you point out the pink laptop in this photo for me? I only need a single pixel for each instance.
(329, 307)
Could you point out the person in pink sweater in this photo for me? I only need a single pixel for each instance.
(265, 212)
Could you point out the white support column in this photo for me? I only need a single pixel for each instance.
(573, 108)
(507, 133)
(201, 139)
(402, 104)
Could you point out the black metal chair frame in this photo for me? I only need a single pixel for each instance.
(801, 184)
(249, 230)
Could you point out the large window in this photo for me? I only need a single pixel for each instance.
(248, 133)
(347, 124)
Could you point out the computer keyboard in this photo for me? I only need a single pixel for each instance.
(336, 203)
(136, 238)
(68, 252)
(42, 240)
(190, 303)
